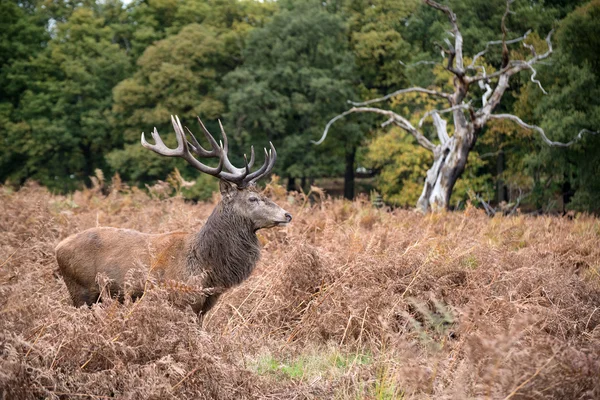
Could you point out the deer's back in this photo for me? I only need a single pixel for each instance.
(113, 252)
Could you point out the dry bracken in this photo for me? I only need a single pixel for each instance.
(348, 302)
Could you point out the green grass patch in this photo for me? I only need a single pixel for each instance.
(328, 363)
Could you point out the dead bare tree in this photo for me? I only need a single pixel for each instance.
(450, 155)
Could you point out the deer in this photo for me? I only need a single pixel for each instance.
(221, 255)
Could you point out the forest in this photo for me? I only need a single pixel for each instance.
(80, 81)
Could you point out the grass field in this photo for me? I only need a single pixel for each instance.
(348, 302)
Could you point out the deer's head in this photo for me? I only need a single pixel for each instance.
(250, 204)
(237, 185)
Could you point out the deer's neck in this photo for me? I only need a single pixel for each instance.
(226, 249)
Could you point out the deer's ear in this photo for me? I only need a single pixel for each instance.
(227, 189)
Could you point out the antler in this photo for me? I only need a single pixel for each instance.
(242, 177)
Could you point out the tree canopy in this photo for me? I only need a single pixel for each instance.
(297, 72)
(80, 81)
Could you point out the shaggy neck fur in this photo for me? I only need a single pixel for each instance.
(226, 248)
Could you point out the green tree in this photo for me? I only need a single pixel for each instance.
(155, 20)
(297, 71)
(22, 36)
(59, 132)
(180, 74)
(572, 104)
(377, 44)
(177, 75)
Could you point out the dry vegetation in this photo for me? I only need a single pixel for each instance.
(347, 302)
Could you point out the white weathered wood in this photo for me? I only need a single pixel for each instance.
(444, 111)
(446, 96)
(440, 127)
(541, 132)
(495, 42)
(422, 62)
(395, 118)
(457, 50)
(537, 82)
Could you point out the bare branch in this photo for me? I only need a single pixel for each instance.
(446, 96)
(411, 65)
(496, 42)
(512, 68)
(386, 123)
(489, 210)
(471, 79)
(451, 56)
(446, 110)
(515, 66)
(331, 121)
(505, 55)
(487, 94)
(443, 50)
(504, 75)
(514, 209)
(519, 65)
(536, 128)
(547, 53)
(402, 123)
(492, 154)
(531, 48)
(534, 73)
(397, 119)
(458, 40)
(503, 207)
(484, 85)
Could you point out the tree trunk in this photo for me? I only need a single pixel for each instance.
(291, 186)
(449, 163)
(349, 174)
(501, 192)
(88, 169)
(567, 193)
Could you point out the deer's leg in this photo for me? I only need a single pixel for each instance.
(80, 295)
(203, 306)
(209, 303)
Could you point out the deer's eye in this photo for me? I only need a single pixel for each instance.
(253, 199)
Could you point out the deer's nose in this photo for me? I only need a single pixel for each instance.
(288, 216)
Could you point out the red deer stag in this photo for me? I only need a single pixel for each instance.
(222, 254)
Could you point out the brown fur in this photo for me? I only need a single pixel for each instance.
(221, 255)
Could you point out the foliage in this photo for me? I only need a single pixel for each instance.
(401, 166)
(572, 104)
(296, 74)
(178, 73)
(59, 133)
(79, 82)
(377, 43)
(156, 19)
(22, 35)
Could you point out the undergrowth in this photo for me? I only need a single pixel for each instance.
(348, 302)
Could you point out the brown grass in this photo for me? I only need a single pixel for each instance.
(347, 302)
